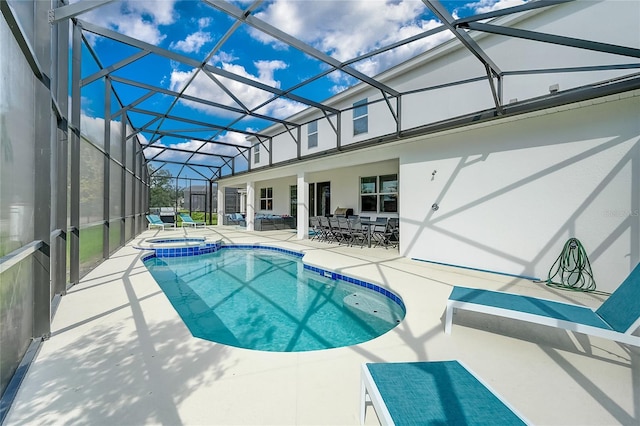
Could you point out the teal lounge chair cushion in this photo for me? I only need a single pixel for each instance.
(438, 393)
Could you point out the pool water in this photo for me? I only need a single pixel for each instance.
(266, 300)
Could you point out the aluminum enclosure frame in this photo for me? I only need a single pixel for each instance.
(460, 28)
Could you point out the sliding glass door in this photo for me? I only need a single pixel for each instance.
(320, 199)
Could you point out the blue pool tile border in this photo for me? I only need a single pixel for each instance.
(258, 246)
(365, 284)
(207, 248)
(180, 251)
(213, 247)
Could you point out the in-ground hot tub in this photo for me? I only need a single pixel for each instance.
(179, 246)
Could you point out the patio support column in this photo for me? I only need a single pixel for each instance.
(59, 156)
(123, 179)
(44, 127)
(106, 188)
(74, 138)
(251, 200)
(220, 205)
(134, 182)
(243, 202)
(303, 207)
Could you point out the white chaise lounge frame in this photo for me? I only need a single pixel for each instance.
(188, 220)
(607, 325)
(154, 220)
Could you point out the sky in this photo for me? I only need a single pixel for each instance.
(342, 29)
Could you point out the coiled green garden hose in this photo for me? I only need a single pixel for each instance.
(572, 268)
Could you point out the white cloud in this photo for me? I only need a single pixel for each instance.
(484, 6)
(204, 22)
(162, 12)
(140, 19)
(223, 57)
(347, 29)
(205, 88)
(93, 129)
(193, 43)
(202, 147)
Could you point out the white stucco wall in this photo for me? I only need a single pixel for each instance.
(281, 191)
(511, 194)
(617, 22)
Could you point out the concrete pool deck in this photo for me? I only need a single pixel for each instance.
(119, 354)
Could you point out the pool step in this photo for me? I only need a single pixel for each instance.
(361, 303)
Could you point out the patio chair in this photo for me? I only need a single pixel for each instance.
(343, 229)
(616, 319)
(378, 228)
(390, 237)
(316, 228)
(327, 234)
(437, 392)
(357, 233)
(154, 220)
(334, 227)
(188, 220)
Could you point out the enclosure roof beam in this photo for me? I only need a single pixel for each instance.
(108, 70)
(195, 122)
(278, 34)
(196, 64)
(554, 39)
(588, 68)
(392, 46)
(75, 9)
(195, 99)
(178, 135)
(510, 10)
(171, 148)
(443, 14)
(179, 162)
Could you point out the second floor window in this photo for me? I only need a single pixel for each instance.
(312, 134)
(266, 198)
(360, 117)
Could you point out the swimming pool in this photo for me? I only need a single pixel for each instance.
(267, 299)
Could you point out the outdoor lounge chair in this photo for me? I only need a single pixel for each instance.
(440, 392)
(188, 220)
(154, 220)
(616, 319)
(235, 219)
